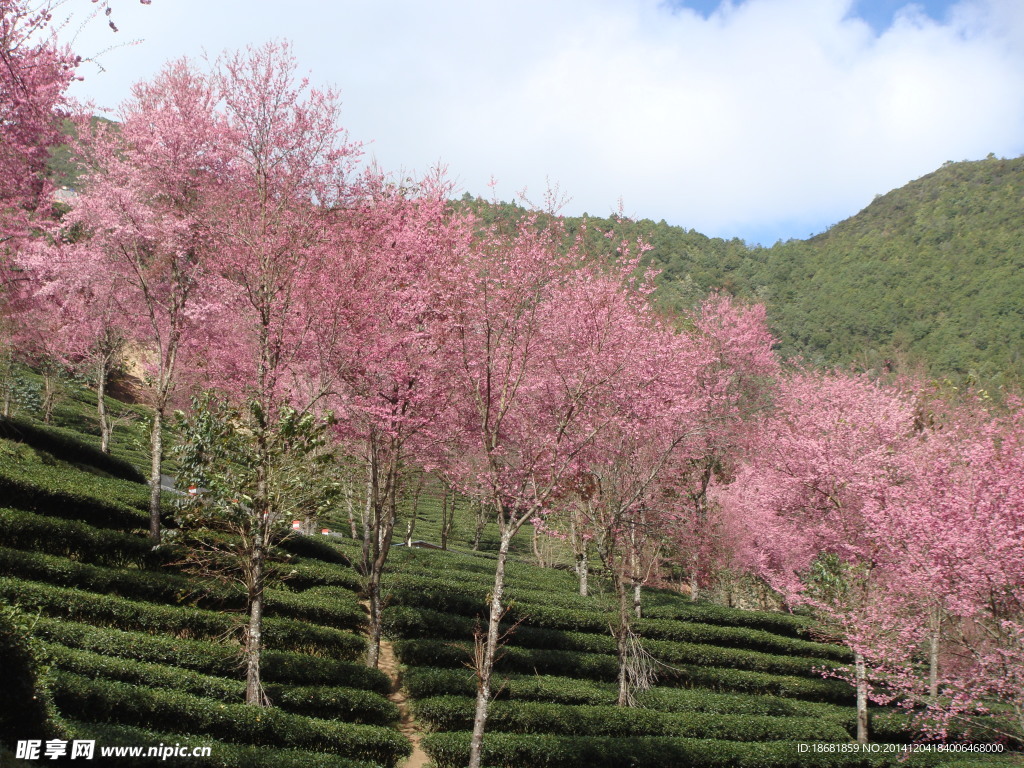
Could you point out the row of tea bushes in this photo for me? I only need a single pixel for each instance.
(81, 697)
(440, 653)
(180, 621)
(507, 750)
(222, 754)
(337, 608)
(352, 705)
(209, 657)
(455, 713)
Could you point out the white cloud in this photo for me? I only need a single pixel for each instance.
(770, 117)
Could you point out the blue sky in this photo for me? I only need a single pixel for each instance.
(758, 119)
(879, 14)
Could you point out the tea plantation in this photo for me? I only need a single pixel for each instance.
(131, 651)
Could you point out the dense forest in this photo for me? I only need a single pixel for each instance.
(926, 278)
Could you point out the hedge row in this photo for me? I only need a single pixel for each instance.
(303, 574)
(331, 703)
(706, 613)
(454, 713)
(315, 548)
(71, 539)
(106, 700)
(67, 446)
(211, 658)
(63, 491)
(450, 587)
(222, 754)
(423, 682)
(184, 622)
(436, 653)
(506, 750)
(448, 595)
(404, 621)
(335, 608)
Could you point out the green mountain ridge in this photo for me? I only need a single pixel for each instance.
(927, 278)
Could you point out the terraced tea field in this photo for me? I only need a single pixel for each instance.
(139, 653)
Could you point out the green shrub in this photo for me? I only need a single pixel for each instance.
(222, 754)
(506, 750)
(67, 446)
(409, 622)
(105, 700)
(23, 702)
(705, 613)
(333, 607)
(453, 713)
(302, 574)
(211, 658)
(62, 491)
(347, 704)
(423, 682)
(184, 622)
(437, 653)
(67, 538)
(315, 548)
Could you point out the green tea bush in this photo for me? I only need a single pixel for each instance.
(71, 539)
(222, 754)
(302, 574)
(335, 608)
(23, 703)
(211, 658)
(67, 446)
(62, 491)
(453, 713)
(81, 697)
(506, 750)
(438, 653)
(346, 704)
(315, 548)
(424, 682)
(184, 622)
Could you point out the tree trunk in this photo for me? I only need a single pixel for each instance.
(637, 608)
(862, 697)
(481, 521)
(351, 511)
(49, 394)
(444, 520)
(583, 571)
(934, 628)
(106, 424)
(156, 447)
(579, 547)
(537, 553)
(485, 660)
(621, 640)
(373, 596)
(254, 693)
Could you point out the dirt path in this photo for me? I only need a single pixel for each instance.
(388, 664)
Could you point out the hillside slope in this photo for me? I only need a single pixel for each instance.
(932, 272)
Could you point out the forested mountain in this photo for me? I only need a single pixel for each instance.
(929, 275)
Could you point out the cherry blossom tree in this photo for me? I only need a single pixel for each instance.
(271, 221)
(141, 208)
(956, 587)
(386, 343)
(35, 71)
(810, 501)
(75, 313)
